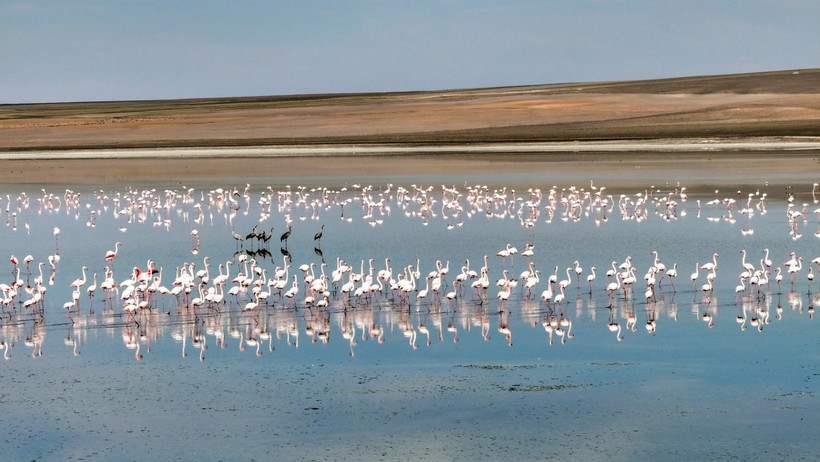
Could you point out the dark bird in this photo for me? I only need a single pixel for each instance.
(318, 235)
(252, 234)
(265, 236)
(285, 236)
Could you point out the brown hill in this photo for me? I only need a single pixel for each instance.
(766, 104)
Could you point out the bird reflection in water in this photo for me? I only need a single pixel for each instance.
(614, 326)
(262, 328)
(504, 326)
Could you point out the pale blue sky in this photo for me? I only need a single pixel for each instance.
(115, 50)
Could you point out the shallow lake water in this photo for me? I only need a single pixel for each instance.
(681, 370)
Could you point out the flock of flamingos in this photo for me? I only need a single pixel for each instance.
(257, 296)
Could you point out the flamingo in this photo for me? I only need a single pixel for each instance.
(79, 282)
(626, 264)
(709, 266)
(611, 272)
(742, 287)
(766, 260)
(778, 277)
(472, 274)
(503, 295)
(591, 278)
(38, 280)
(90, 289)
(578, 271)
(792, 260)
(463, 275)
(748, 266)
(452, 295)
(294, 289)
(506, 251)
(422, 294)
(546, 295)
(252, 305)
(706, 287)
(27, 260)
(613, 287)
(482, 283)
(532, 281)
(672, 274)
(559, 297)
(554, 276)
(659, 267)
(650, 276)
(564, 283)
(695, 275)
(112, 254)
(649, 294)
(504, 280)
(527, 272)
(794, 268)
(14, 262)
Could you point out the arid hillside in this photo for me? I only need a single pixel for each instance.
(769, 104)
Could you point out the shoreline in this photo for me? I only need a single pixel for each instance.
(703, 146)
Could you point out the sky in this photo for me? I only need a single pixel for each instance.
(98, 50)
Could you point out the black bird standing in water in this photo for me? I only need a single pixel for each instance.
(252, 235)
(285, 236)
(318, 235)
(265, 236)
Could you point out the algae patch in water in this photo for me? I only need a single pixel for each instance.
(546, 387)
(497, 367)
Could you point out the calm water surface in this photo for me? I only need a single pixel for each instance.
(162, 375)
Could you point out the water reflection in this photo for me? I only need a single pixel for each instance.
(383, 318)
(148, 286)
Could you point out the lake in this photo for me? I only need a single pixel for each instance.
(684, 369)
